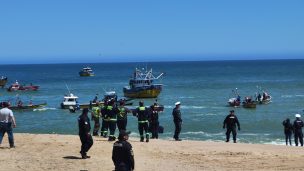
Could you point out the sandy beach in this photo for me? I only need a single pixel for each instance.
(61, 152)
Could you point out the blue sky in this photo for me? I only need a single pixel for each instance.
(55, 31)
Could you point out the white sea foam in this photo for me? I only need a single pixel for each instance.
(44, 109)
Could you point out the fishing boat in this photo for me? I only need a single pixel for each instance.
(16, 86)
(248, 103)
(141, 85)
(235, 101)
(24, 106)
(86, 72)
(3, 81)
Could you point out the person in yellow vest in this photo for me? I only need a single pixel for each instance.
(143, 124)
(105, 120)
(111, 112)
(122, 118)
(96, 113)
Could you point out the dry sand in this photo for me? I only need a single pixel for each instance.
(61, 152)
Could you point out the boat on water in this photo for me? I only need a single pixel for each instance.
(249, 103)
(24, 106)
(86, 72)
(262, 98)
(141, 85)
(235, 101)
(71, 101)
(16, 86)
(3, 81)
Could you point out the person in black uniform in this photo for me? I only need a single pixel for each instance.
(297, 126)
(143, 120)
(111, 112)
(230, 122)
(153, 122)
(177, 118)
(288, 129)
(122, 154)
(122, 117)
(84, 133)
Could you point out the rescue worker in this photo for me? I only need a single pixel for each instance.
(143, 124)
(111, 113)
(122, 154)
(96, 113)
(122, 117)
(105, 122)
(153, 122)
(230, 122)
(298, 134)
(177, 119)
(288, 129)
(84, 133)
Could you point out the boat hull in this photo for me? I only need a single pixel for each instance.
(86, 74)
(3, 81)
(143, 92)
(27, 107)
(249, 105)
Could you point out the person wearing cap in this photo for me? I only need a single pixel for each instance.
(84, 133)
(177, 119)
(230, 122)
(288, 129)
(297, 126)
(143, 121)
(122, 117)
(111, 113)
(7, 123)
(122, 154)
(153, 122)
(96, 113)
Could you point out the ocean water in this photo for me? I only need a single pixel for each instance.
(202, 87)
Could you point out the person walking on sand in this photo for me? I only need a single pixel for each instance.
(297, 126)
(230, 122)
(84, 133)
(177, 119)
(288, 129)
(122, 154)
(7, 123)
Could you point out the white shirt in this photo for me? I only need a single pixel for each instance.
(6, 115)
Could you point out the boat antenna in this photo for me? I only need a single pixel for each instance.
(67, 88)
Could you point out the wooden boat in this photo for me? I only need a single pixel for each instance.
(236, 100)
(28, 106)
(16, 86)
(141, 85)
(262, 98)
(3, 81)
(248, 103)
(86, 72)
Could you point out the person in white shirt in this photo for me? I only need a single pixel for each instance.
(7, 123)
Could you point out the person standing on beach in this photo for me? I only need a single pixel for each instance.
(7, 123)
(111, 113)
(96, 113)
(84, 133)
(288, 129)
(122, 154)
(297, 126)
(230, 122)
(177, 119)
(153, 122)
(122, 117)
(143, 121)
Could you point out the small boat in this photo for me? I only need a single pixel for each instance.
(248, 103)
(16, 86)
(141, 85)
(25, 106)
(86, 72)
(3, 81)
(262, 98)
(70, 101)
(235, 101)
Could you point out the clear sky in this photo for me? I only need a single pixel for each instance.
(55, 31)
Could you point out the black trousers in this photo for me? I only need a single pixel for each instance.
(228, 132)
(154, 129)
(112, 127)
(143, 127)
(104, 128)
(86, 143)
(178, 128)
(122, 124)
(298, 135)
(288, 137)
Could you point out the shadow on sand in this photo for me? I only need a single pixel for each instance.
(72, 157)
